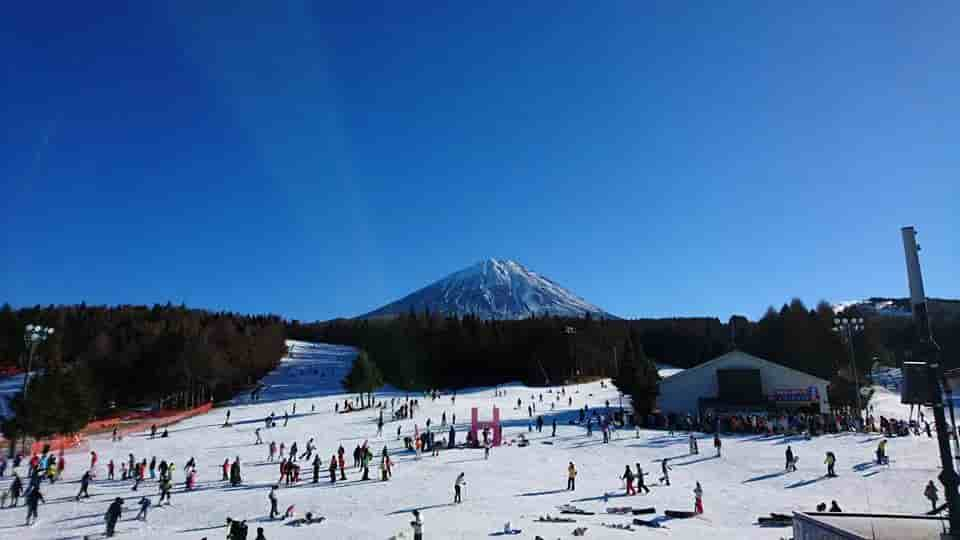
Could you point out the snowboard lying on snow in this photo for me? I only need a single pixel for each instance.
(570, 509)
(679, 514)
(551, 519)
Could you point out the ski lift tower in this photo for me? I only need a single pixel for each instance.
(923, 386)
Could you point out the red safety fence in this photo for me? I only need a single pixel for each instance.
(125, 424)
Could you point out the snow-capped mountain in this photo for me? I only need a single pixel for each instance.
(898, 307)
(493, 289)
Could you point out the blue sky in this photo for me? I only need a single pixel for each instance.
(316, 160)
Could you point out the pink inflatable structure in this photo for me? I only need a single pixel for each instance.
(477, 427)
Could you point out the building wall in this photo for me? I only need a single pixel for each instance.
(681, 393)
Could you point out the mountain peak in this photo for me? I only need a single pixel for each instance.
(493, 289)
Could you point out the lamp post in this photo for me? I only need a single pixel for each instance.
(847, 328)
(34, 335)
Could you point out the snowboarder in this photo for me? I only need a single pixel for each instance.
(834, 507)
(882, 453)
(554, 434)
(225, 469)
(698, 499)
(144, 506)
(571, 477)
(830, 462)
(316, 469)
(333, 469)
(274, 512)
(930, 492)
(226, 422)
(665, 471)
(113, 515)
(260, 535)
(417, 525)
(165, 485)
(790, 466)
(641, 483)
(693, 445)
(84, 484)
(716, 443)
(628, 478)
(457, 486)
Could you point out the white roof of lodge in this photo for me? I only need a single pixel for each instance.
(738, 355)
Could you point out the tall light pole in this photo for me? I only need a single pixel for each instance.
(33, 336)
(847, 328)
(929, 352)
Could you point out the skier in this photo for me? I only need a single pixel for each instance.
(554, 434)
(930, 492)
(144, 506)
(693, 445)
(834, 507)
(333, 469)
(260, 535)
(316, 469)
(417, 525)
(716, 443)
(110, 470)
(84, 484)
(273, 450)
(34, 498)
(226, 422)
(665, 470)
(628, 478)
(274, 512)
(457, 486)
(571, 477)
(93, 460)
(113, 515)
(225, 468)
(641, 483)
(698, 499)
(789, 458)
(830, 462)
(257, 433)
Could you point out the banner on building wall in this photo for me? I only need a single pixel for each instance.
(794, 395)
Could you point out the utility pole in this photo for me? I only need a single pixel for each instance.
(929, 352)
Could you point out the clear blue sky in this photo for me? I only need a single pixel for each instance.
(317, 160)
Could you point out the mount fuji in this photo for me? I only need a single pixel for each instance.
(492, 289)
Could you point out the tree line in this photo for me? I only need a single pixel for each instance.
(105, 358)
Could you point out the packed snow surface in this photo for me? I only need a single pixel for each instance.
(516, 484)
(493, 289)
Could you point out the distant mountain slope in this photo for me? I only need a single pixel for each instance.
(492, 289)
(899, 307)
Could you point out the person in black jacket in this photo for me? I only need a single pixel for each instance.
(84, 484)
(113, 515)
(316, 468)
(34, 498)
(16, 489)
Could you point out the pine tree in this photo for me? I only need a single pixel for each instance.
(364, 376)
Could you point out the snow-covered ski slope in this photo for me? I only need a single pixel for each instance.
(515, 484)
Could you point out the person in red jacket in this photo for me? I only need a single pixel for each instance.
(93, 460)
(226, 469)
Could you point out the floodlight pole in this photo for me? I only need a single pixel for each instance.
(930, 353)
